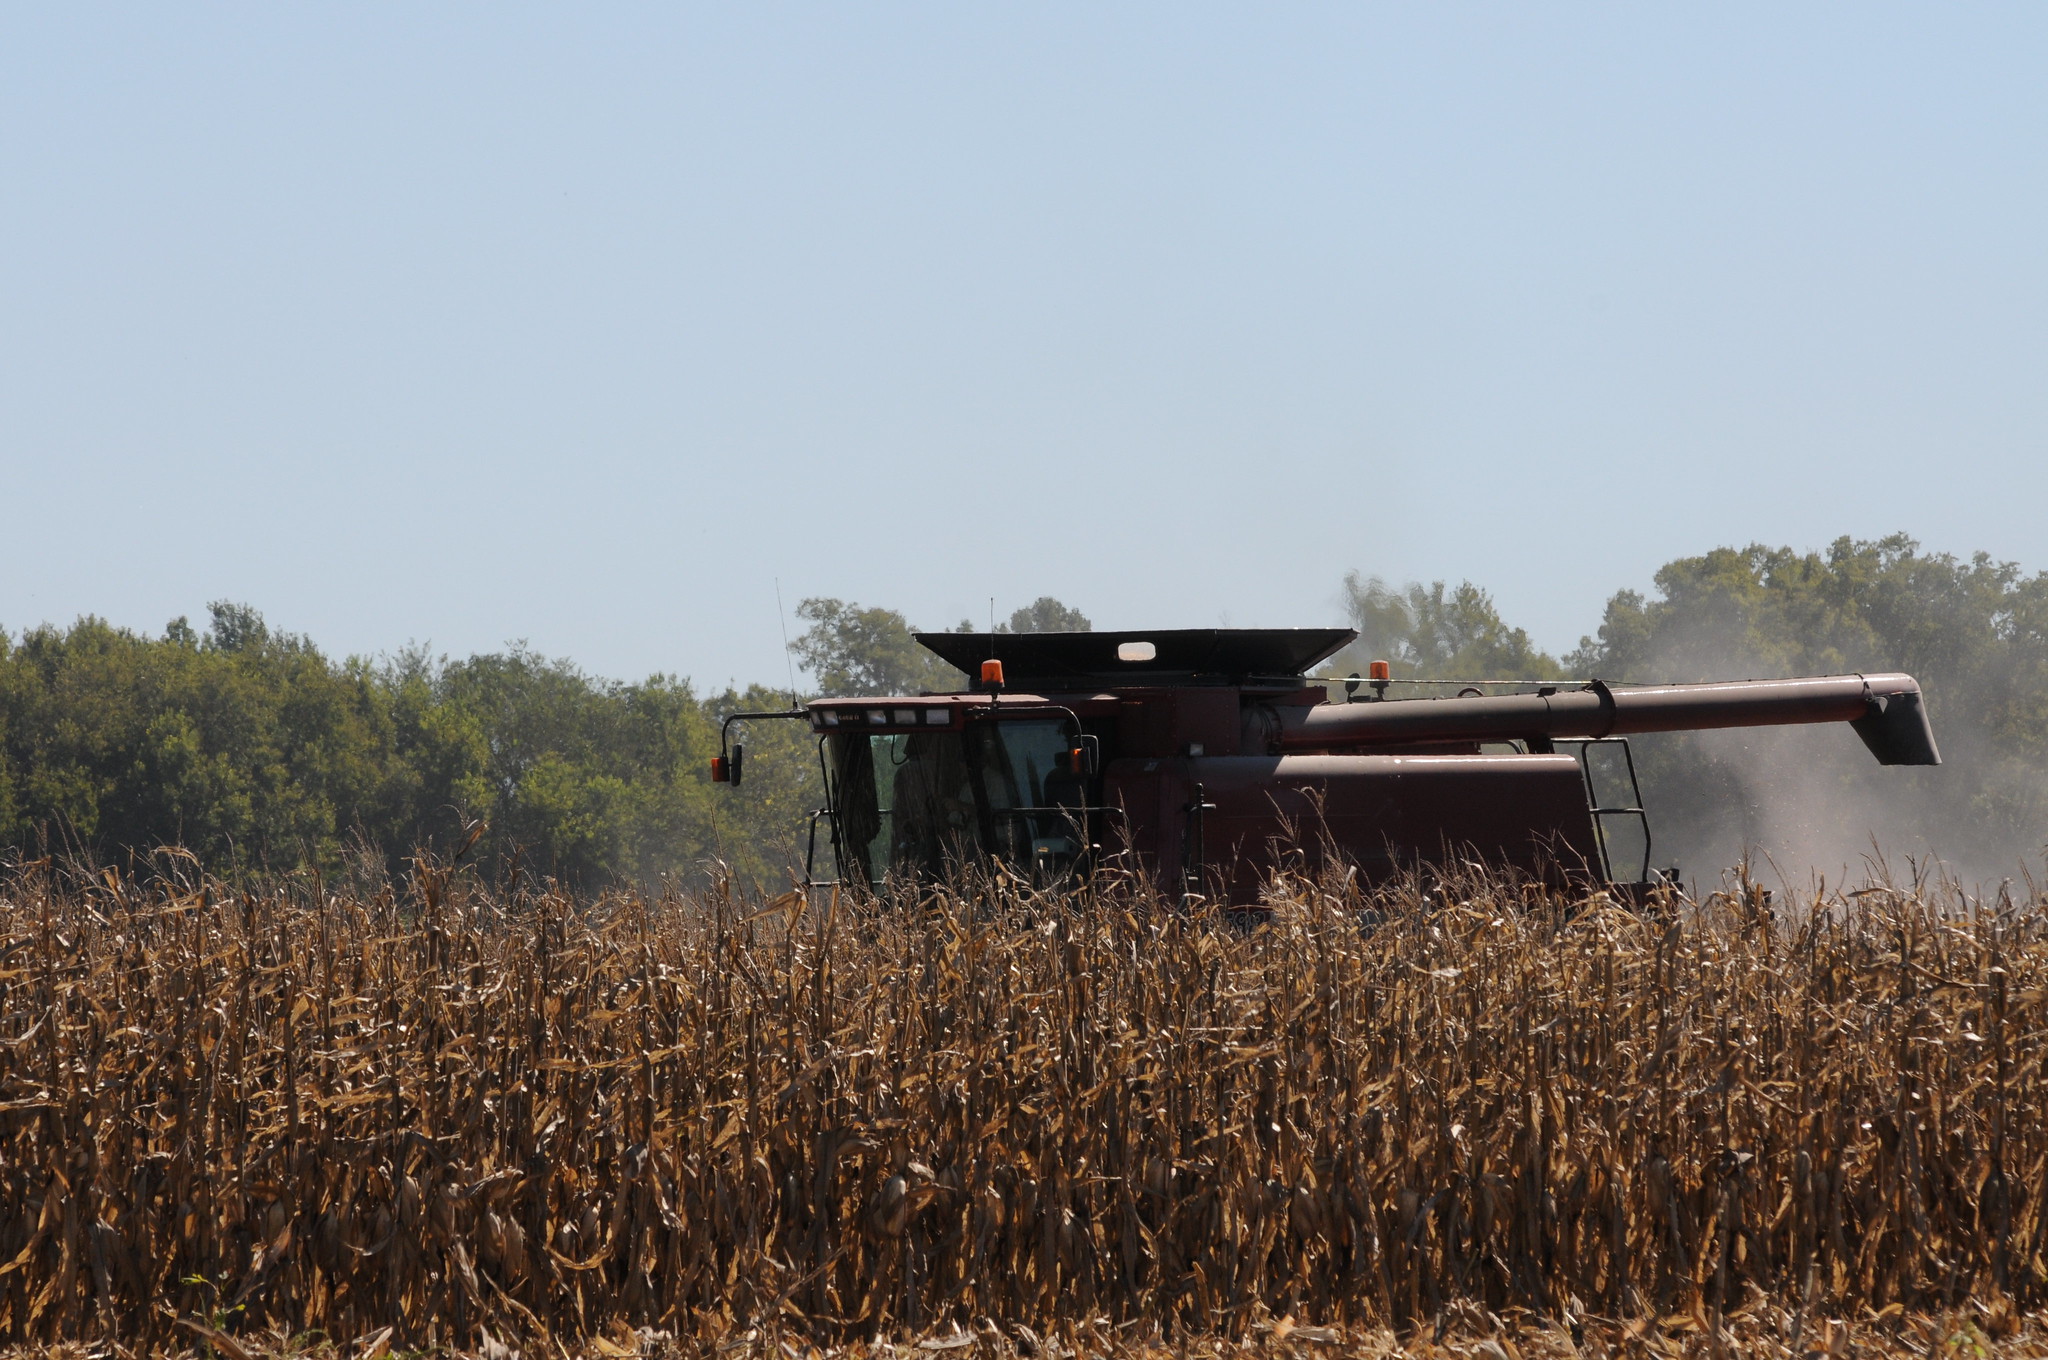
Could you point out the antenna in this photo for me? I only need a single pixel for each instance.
(782, 618)
(991, 625)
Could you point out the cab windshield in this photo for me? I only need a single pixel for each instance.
(923, 804)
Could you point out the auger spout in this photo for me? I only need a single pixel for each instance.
(1885, 711)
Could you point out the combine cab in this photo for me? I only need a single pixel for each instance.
(1205, 758)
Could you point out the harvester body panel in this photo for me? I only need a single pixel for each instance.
(1383, 815)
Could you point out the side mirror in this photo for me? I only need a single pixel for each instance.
(1085, 758)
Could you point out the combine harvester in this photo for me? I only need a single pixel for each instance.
(1205, 758)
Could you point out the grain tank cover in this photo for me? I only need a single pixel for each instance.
(1161, 656)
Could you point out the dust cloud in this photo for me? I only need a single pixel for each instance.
(1811, 801)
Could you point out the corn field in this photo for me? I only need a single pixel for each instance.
(458, 1113)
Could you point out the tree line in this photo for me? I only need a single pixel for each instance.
(252, 749)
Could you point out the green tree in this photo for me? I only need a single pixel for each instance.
(1435, 633)
(851, 651)
(1046, 615)
(247, 746)
(593, 780)
(243, 744)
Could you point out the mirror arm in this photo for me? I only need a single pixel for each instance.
(728, 764)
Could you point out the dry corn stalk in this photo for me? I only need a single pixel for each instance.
(461, 1116)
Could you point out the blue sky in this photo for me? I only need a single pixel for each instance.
(583, 326)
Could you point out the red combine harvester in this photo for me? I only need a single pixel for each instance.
(1206, 758)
